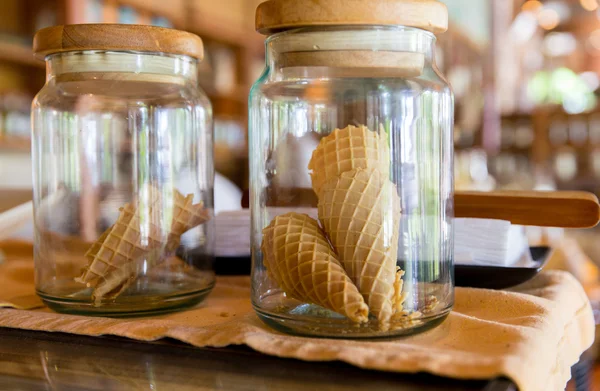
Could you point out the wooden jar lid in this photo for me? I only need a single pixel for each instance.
(277, 15)
(117, 37)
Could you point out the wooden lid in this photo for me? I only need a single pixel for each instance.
(117, 37)
(276, 15)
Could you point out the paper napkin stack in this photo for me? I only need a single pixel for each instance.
(477, 241)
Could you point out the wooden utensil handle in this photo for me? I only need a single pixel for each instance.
(565, 209)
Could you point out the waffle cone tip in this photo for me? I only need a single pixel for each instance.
(300, 260)
(113, 259)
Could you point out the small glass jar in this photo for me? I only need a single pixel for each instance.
(351, 169)
(123, 172)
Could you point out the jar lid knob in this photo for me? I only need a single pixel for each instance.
(277, 15)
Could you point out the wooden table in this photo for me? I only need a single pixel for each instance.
(12, 198)
(41, 361)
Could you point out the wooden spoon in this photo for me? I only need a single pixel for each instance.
(565, 209)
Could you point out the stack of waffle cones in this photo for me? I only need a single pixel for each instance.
(298, 256)
(359, 209)
(135, 240)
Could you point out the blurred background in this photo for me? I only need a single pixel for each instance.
(526, 75)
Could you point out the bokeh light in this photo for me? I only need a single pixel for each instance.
(532, 6)
(548, 18)
(589, 5)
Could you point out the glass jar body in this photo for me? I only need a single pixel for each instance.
(123, 184)
(351, 187)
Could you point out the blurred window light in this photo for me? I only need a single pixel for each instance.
(589, 5)
(579, 103)
(562, 8)
(532, 6)
(94, 11)
(161, 21)
(478, 167)
(565, 165)
(127, 15)
(559, 44)
(594, 39)
(538, 88)
(548, 18)
(562, 86)
(564, 80)
(523, 27)
(229, 133)
(591, 79)
(533, 60)
(460, 80)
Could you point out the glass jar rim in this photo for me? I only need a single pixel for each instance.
(349, 27)
(80, 52)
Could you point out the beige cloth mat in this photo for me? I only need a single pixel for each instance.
(532, 335)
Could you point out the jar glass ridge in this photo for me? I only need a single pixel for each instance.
(341, 88)
(122, 149)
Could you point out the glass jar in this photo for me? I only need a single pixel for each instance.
(123, 172)
(351, 170)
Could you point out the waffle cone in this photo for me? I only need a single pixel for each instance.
(115, 258)
(345, 150)
(299, 258)
(360, 211)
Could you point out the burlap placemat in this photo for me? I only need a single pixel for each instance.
(533, 334)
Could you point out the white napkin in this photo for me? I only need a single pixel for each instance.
(490, 242)
(477, 241)
(233, 233)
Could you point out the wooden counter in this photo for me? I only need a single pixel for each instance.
(13, 198)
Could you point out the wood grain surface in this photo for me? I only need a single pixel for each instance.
(12, 198)
(277, 15)
(566, 209)
(68, 38)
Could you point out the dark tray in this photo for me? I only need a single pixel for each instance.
(494, 277)
(491, 277)
(35, 360)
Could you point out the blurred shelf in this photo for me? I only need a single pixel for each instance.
(19, 54)
(238, 93)
(231, 104)
(227, 33)
(15, 144)
(517, 115)
(174, 10)
(456, 33)
(227, 106)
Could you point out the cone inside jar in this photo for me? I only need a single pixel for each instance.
(359, 212)
(114, 259)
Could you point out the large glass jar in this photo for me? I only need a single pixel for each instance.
(123, 172)
(351, 161)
